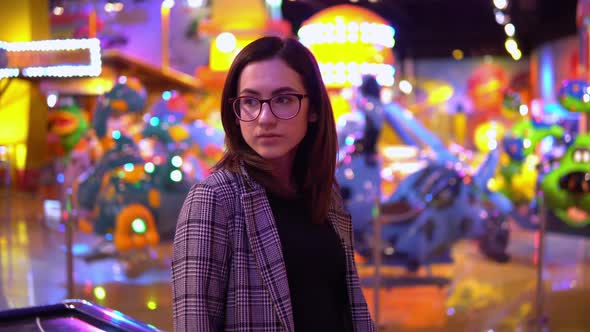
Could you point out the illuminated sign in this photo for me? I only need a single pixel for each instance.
(51, 58)
(341, 32)
(341, 73)
(348, 42)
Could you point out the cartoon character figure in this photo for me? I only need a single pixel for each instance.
(567, 187)
(119, 109)
(435, 207)
(69, 124)
(69, 146)
(201, 144)
(573, 96)
(430, 210)
(137, 187)
(518, 171)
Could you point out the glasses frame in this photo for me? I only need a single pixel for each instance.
(299, 96)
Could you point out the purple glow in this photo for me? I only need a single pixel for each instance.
(67, 324)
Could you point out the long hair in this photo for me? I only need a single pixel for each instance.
(315, 159)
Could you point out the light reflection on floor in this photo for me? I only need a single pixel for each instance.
(481, 295)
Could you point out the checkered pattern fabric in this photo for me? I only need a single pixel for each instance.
(228, 272)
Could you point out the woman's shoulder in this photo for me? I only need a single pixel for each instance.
(221, 180)
(220, 187)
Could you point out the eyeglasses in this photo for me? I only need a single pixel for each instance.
(284, 106)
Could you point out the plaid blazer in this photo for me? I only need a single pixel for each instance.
(228, 272)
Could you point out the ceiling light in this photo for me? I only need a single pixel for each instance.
(509, 29)
(501, 4)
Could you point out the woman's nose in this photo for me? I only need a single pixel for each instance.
(266, 115)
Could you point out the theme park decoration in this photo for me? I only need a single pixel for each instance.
(168, 123)
(487, 135)
(77, 24)
(441, 192)
(428, 94)
(137, 188)
(486, 87)
(574, 95)
(438, 205)
(523, 151)
(118, 112)
(133, 200)
(567, 187)
(512, 105)
(52, 58)
(69, 124)
(128, 96)
(69, 146)
(350, 41)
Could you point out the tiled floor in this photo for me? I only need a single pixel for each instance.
(481, 295)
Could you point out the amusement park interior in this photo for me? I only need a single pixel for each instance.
(466, 169)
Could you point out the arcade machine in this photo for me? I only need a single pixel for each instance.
(70, 315)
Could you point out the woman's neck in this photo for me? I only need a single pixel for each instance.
(282, 172)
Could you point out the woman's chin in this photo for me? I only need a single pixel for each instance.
(275, 154)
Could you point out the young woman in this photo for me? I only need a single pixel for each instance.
(264, 244)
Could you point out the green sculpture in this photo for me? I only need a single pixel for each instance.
(69, 123)
(518, 173)
(567, 187)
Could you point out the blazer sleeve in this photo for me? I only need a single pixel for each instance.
(200, 259)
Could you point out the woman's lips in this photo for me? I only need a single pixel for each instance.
(268, 138)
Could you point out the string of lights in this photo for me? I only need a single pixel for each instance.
(84, 55)
(503, 18)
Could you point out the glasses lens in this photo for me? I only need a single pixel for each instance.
(247, 108)
(285, 106)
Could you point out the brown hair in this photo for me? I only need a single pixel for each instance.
(315, 160)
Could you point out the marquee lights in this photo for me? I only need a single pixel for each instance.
(352, 72)
(340, 32)
(9, 72)
(43, 49)
(503, 19)
(350, 42)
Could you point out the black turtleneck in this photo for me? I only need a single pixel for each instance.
(316, 268)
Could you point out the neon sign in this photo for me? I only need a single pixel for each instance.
(52, 58)
(349, 42)
(341, 73)
(353, 32)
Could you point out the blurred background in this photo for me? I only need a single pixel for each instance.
(464, 152)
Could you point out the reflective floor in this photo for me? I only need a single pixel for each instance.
(480, 296)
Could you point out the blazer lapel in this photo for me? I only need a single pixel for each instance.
(266, 247)
(341, 223)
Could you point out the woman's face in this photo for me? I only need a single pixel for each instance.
(274, 139)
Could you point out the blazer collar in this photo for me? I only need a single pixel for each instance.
(340, 221)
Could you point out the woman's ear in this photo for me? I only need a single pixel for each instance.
(312, 117)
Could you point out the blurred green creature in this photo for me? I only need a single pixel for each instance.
(567, 187)
(69, 124)
(518, 171)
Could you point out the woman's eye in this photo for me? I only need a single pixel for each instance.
(249, 101)
(284, 99)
